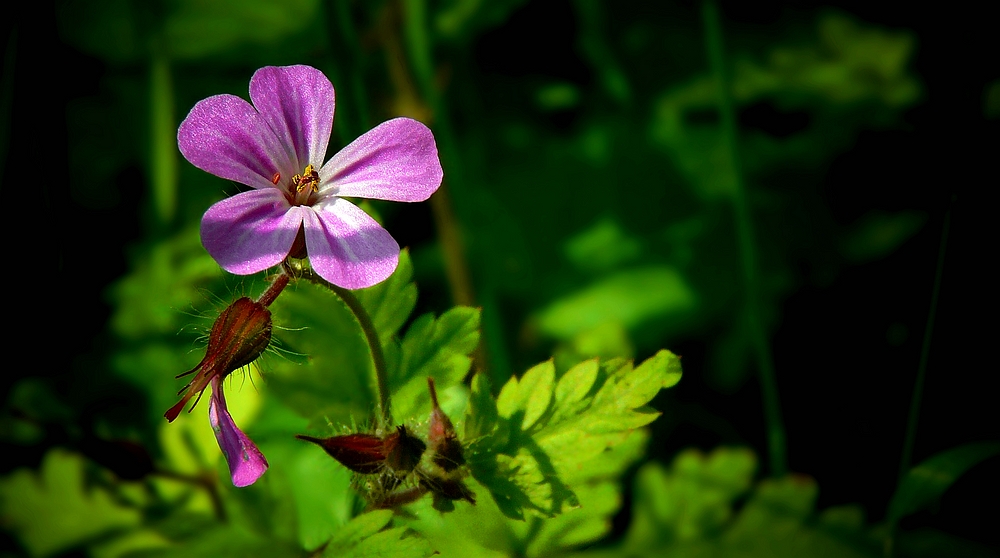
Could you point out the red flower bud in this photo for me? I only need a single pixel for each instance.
(239, 335)
(398, 452)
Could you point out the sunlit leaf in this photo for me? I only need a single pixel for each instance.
(438, 348)
(546, 428)
(368, 535)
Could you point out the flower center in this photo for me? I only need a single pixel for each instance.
(302, 186)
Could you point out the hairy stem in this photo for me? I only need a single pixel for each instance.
(277, 285)
(371, 336)
(747, 243)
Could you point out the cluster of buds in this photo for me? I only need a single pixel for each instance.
(399, 467)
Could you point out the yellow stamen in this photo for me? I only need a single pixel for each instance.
(308, 179)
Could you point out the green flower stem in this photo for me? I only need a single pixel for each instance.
(371, 335)
(905, 460)
(747, 244)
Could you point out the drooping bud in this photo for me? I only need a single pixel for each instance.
(246, 462)
(441, 435)
(240, 334)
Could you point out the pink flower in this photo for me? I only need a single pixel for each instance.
(276, 146)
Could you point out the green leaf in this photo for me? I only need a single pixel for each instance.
(602, 247)
(53, 510)
(879, 234)
(224, 541)
(368, 536)
(691, 501)
(327, 367)
(529, 454)
(628, 297)
(690, 510)
(439, 348)
(926, 482)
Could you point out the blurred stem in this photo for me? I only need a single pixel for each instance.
(747, 242)
(443, 203)
(206, 480)
(419, 50)
(347, 69)
(371, 336)
(906, 459)
(163, 139)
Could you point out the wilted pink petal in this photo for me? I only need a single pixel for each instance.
(397, 161)
(246, 462)
(347, 247)
(251, 231)
(297, 101)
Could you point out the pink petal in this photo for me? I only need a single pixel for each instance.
(297, 102)
(251, 231)
(246, 462)
(225, 136)
(347, 247)
(397, 160)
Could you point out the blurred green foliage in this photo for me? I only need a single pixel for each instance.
(588, 181)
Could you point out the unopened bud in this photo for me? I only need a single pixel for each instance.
(240, 334)
(398, 452)
(441, 436)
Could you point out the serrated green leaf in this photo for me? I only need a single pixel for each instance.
(926, 482)
(574, 387)
(438, 348)
(690, 501)
(391, 543)
(361, 527)
(688, 510)
(481, 416)
(368, 535)
(549, 433)
(530, 395)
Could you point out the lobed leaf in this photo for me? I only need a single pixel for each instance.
(546, 435)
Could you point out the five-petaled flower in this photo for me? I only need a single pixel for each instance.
(297, 207)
